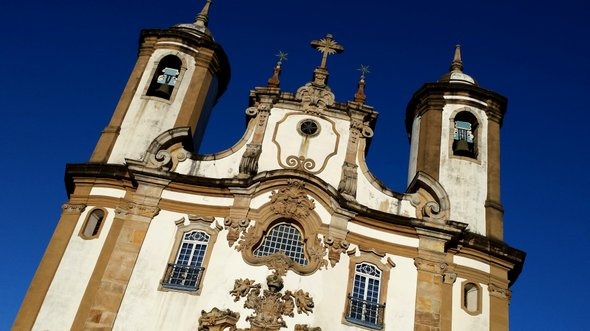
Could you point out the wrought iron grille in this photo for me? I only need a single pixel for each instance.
(366, 313)
(182, 277)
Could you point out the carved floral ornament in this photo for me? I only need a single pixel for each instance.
(270, 307)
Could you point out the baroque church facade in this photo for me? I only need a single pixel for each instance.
(288, 229)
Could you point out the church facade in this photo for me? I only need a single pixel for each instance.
(288, 229)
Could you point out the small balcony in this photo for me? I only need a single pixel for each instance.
(182, 277)
(366, 313)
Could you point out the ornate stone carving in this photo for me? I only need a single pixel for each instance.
(235, 227)
(430, 266)
(335, 248)
(499, 292)
(305, 327)
(315, 99)
(449, 277)
(73, 208)
(271, 305)
(299, 163)
(218, 320)
(292, 200)
(348, 181)
(249, 162)
(132, 208)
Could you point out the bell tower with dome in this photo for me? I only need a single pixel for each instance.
(288, 229)
(454, 130)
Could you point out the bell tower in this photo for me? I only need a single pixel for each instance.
(179, 75)
(454, 130)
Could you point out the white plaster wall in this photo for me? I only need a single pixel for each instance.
(415, 138)
(317, 148)
(198, 199)
(227, 166)
(471, 263)
(384, 236)
(144, 307)
(368, 195)
(147, 117)
(67, 288)
(106, 191)
(461, 320)
(401, 294)
(465, 181)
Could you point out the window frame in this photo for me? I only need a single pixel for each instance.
(376, 260)
(478, 309)
(82, 234)
(154, 73)
(194, 223)
(476, 128)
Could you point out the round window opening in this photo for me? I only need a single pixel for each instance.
(309, 127)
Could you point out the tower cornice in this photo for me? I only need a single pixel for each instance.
(433, 95)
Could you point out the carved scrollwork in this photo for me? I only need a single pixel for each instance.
(249, 161)
(499, 292)
(430, 266)
(235, 227)
(315, 99)
(300, 163)
(292, 200)
(73, 208)
(335, 248)
(217, 319)
(132, 208)
(431, 210)
(271, 305)
(251, 111)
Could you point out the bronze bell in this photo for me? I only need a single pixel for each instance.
(462, 148)
(163, 91)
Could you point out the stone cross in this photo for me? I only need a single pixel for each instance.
(327, 46)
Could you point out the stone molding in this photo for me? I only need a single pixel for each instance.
(499, 292)
(73, 208)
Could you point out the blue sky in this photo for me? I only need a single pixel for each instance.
(65, 63)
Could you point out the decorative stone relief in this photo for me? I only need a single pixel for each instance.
(235, 227)
(335, 247)
(499, 292)
(249, 161)
(299, 163)
(292, 200)
(132, 208)
(218, 320)
(430, 266)
(347, 185)
(305, 327)
(315, 99)
(271, 305)
(449, 277)
(73, 208)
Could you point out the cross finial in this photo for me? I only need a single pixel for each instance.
(327, 46)
(282, 57)
(364, 70)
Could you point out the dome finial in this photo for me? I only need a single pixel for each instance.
(457, 64)
(274, 80)
(360, 95)
(203, 17)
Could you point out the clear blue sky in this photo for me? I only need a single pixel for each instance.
(65, 63)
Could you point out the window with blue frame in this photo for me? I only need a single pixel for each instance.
(185, 273)
(363, 303)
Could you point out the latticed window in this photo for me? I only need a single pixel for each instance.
(363, 302)
(186, 272)
(284, 238)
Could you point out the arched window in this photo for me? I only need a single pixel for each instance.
(364, 307)
(471, 298)
(93, 224)
(164, 79)
(285, 238)
(186, 272)
(464, 135)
